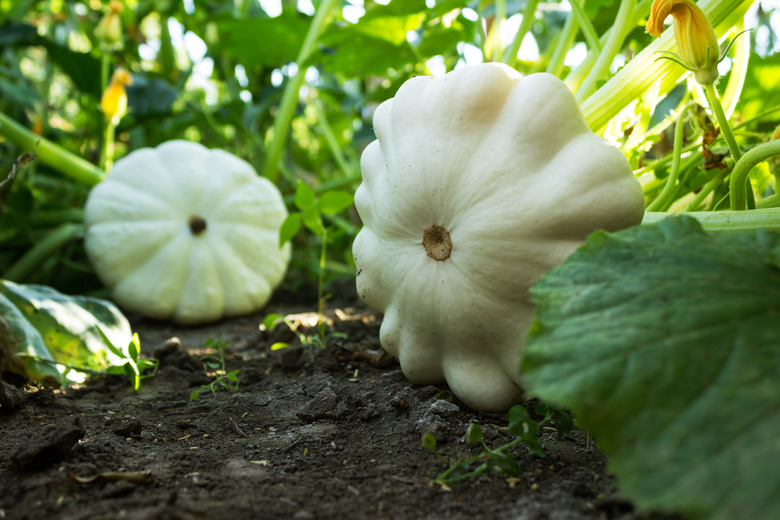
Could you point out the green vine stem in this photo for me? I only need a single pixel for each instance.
(495, 31)
(330, 137)
(292, 91)
(739, 68)
(723, 122)
(529, 15)
(590, 34)
(42, 250)
(727, 220)
(565, 42)
(705, 191)
(55, 216)
(321, 276)
(620, 29)
(577, 75)
(661, 202)
(107, 151)
(67, 163)
(769, 202)
(739, 175)
(640, 73)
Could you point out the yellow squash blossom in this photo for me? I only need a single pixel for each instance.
(114, 100)
(109, 29)
(696, 40)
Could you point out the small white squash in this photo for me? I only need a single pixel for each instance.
(478, 183)
(186, 233)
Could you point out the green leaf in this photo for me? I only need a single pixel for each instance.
(503, 463)
(335, 201)
(270, 321)
(304, 196)
(82, 68)
(429, 442)
(263, 41)
(522, 425)
(473, 434)
(72, 327)
(350, 51)
(759, 92)
(289, 228)
(22, 350)
(149, 97)
(390, 28)
(134, 347)
(665, 343)
(18, 94)
(313, 221)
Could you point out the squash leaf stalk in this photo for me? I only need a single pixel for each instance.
(51, 154)
(292, 91)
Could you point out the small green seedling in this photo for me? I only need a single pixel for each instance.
(319, 340)
(312, 208)
(134, 366)
(224, 379)
(500, 460)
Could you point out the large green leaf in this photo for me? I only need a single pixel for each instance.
(22, 348)
(68, 327)
(760, 92)
(665, 342)
(149, 97)
(264, 41)
(82, 68)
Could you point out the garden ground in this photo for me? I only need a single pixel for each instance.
(309, 434)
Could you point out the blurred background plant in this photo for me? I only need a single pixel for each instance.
(291, 88)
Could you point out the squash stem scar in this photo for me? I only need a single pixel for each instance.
(437, 243)
(197, 225)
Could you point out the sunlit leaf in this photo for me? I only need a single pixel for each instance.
(264, 41)
(289, 228)
(304, 196)
(760, 91)
(335, 201)
(313, 221)
(72, 327)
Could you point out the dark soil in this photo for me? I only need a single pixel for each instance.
(309, 434)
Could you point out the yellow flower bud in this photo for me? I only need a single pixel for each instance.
(114, 100)
(696, 40)
(109, 29)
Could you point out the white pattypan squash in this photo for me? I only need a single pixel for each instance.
(478, 183)
(186, 233)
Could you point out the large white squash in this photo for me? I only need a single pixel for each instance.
(186, 233)
(478, 183)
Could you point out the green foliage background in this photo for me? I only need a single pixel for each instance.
(214, 71)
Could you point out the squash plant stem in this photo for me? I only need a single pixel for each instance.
(726, 220)
(588, 32)
(65, 162)
(723, 122)
(510, 56)
(612, 46)
(565, 42)
(292, 91)
(739, 175)
(661, 202)
(42, 250)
